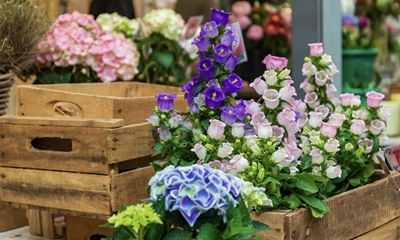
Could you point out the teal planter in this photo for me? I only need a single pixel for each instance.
(358, 71)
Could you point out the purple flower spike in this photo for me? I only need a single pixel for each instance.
(165, 101)
(221, 18)
(231, 62)
(191, 85)
(206, 68)
(221, 53)
(210, 29)
(214, 97)
(202, 43)
(228, 38)
(228, 114)
(232, 84)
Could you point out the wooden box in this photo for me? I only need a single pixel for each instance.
(368, 212)
(131, 101)
(11, 218)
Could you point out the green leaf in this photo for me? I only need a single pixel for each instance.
(121, 233)
(233, 229)
(354, 182)
(316, 178)
(164, 58)
(260, 226)
(178, 234)
(208, 232)
(109, 225)
(317, 206)
(306, 184)
(270, 179)
(293, 200)
(367, 171)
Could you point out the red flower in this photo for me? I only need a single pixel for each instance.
(270, 28)
(275, 18)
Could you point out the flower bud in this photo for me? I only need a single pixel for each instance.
(349, 147)
(210, 147)
(307, 59)
(204, 138)
(260, 175)
(284, 73)
(359, 151)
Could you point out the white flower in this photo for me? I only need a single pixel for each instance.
(225, 150)
(325, 59)
(279, 155)
(252, 144)
(332, 145)
(270, 77)
(384, 114)
(239, 163)
(200, 150)
(334, 172)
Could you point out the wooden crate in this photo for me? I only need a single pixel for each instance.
(78, 228)
(362, 213)
(45, 224)
(130, 101)
(11, 218)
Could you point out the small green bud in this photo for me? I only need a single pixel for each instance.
(204, 138)
(210, 147)
(360, 151)
(163, 116)
(284, 73)
(307, 59)
(211, 113)
(197, 122)
(260, 175)
(349, 147)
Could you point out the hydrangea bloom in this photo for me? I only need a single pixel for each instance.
(195, 189)
(115, 22)
(166, 22)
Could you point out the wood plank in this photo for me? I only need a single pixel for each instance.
(275, 220)
(35, 223)
(87, 106)
(130, 187)
(352, 213)
(48, 227)
(388, 231)
(11, 218)
(72, 149)
(129, 142)
(61, 190)
(83, 228)
(63, 121)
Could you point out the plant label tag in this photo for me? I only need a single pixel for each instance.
(191, 26)
(239, 49)
(393, 157)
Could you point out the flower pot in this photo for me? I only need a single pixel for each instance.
(6, 81)
(358, 69)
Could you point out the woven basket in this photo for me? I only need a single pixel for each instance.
(6, 81)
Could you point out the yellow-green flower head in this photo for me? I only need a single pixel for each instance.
(166, 22)
(136, 216)
(115, 22)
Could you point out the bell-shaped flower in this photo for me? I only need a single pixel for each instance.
(238, 129)
(216, 164)
(232, 84)
(382, 138)
(330, 91)
(202, 42)
(309, 69)
(220, 17)
(200, 100)
(355, 101)
(279, 155)
(316, 49)
(270, 77)
(307, 86)
(175, 120)
(286, 116)
(165, 101)
(154, 120)
(214, 97)
(206, 68)
(225, 150)
(253, 107)
(210, 29)
(329, 130)
(325, 59)
(362, 114)
(303, 121)
(228, 114)
(287, 93)
(258, 118)
(367, 144)
(337, 119)
(272, 62)
(191, 85)
(264, 130)
(259, 85)
(292, 128)
(231, 62)
(221, 53)
(357, 126)
(312, 100)
(301, 107)
(213, 83)
(241, 109)
(277, 132)
(271, 98)
(199, 150)
(321, 77)
(252, 144)
(228, 38)
(384, 114)
(332, 145)
(374, 99)
(238, 164)
(317, 156)
(376, 127)
(322, 109)
(315, 119)
(188, 123)
(332, 70)
(346, 99)
(216, 129)
(164, 133)
(333, 172)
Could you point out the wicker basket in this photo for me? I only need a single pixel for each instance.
(6, 81)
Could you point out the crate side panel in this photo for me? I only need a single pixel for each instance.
(352, 213)
(390, 230)
(130, 187)
(73, 149)
(129, 142)
(60, 190)
(11, 218)
(273, 219)
(79, 228)
(47, 102)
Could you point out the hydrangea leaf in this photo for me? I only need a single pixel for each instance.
(178, 234)
(164, 58)
(208, 232)
(121, 233)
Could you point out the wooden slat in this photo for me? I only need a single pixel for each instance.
(388, 231)
(35, 223)
(130, 187)
(48, 227)
(83, 228)
(129, 142)
(60, 190)
(78, 149)
(275, 220)
(63, 121)
(11, 218)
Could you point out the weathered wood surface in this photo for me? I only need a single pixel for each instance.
(11, 218)
(353, 213)
(131, 101)
(83, 228)
(130, 187)
(388, 231)
(86, 193)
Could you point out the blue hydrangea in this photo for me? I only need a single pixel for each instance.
(195, 189)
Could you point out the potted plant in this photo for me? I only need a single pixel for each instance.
(21, 27)
(358, 55)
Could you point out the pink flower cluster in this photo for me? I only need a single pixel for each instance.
(77, 39)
